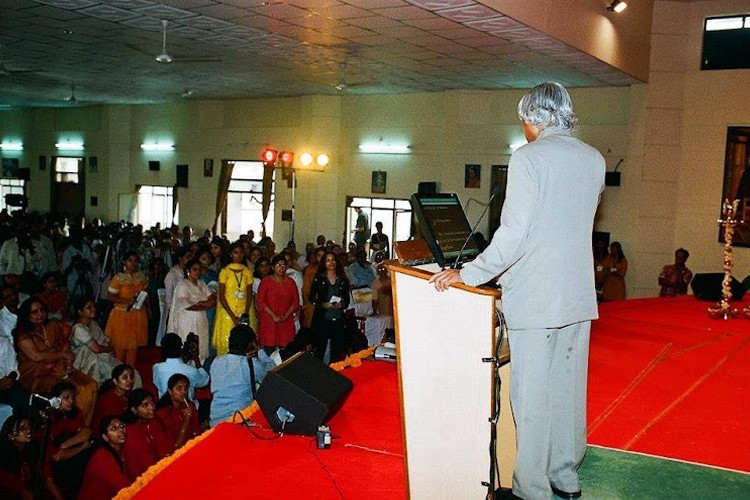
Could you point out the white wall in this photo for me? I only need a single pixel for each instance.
(670, 133)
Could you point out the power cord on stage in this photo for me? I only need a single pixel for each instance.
(323, 466)
(494, 464)
(249, 424)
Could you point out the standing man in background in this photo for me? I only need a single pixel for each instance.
(542, 255)
(362, 228)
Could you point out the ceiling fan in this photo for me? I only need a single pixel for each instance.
(342, 86)
(165, 57)
(5, 71)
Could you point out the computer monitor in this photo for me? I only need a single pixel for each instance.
(443, 224)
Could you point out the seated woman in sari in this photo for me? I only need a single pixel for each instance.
(45, 358)
(92, 348)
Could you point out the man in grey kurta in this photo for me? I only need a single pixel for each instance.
(542, 255)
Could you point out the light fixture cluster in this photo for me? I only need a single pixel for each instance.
(272, 158)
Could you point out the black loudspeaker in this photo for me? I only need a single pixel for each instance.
(304, 392)
(707, 286)
(24, 174)
(427, 188)
(182, 176)
(153, 165)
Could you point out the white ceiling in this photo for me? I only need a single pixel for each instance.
(107, 50)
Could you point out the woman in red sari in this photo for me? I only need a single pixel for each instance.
(278, 300)
(114, 393)
(178, 413)
(105, 472)
(148, 441)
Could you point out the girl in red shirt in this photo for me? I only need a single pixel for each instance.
(105, 472)
(148, 441)
(113, 395)
(177, 411)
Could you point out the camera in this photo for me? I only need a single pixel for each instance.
(190, 347)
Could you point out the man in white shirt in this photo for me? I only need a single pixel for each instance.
(11, 392)
(171, 348)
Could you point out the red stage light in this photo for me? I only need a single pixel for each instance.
(286, 157)
(268, 156)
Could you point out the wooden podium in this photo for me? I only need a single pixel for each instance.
(447, 391)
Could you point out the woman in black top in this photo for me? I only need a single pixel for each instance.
(329, 294)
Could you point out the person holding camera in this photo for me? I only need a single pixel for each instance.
(77, 267)
(172, 351)
(231, 378)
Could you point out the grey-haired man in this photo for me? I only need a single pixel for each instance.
(542, 255)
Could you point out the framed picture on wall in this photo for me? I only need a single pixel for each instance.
(737, 183)
(208, 167)
(378, 182)
(93, 164)
(472, 176)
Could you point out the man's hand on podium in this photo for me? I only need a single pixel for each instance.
(445, 278)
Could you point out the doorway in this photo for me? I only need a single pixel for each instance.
(68, 193)
(498, 179)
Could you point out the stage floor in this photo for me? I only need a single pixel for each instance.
(664, 379)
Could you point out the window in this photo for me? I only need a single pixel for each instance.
(244, 208)
(155, 204)
(11, 186)
(726, 43)
(66, 169)
(395, 214)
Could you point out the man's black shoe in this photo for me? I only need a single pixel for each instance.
(506, 494)
(566, 494)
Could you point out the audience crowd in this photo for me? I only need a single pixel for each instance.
(82, 301)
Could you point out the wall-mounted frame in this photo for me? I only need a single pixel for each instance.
(208, 167)
(472, 176)
(93, 164)
(378, 182)
(737, 182)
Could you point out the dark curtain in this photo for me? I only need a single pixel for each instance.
(267, 187)
(225, 175)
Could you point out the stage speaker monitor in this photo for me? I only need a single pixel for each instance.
(304, 392)
(707, 286)
(427, 187)
(182, 176)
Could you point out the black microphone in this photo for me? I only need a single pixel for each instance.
(495, 192)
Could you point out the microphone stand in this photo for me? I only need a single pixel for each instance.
(457, 262)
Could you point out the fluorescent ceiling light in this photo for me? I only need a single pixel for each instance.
(617, 6)
(157, 146)
(515, 145)
(11, 146)
(70, 146)
(385, 149)
(724, 23)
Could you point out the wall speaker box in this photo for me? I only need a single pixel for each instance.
(612, 178)
(42, 162)
(153, 165)
(24, 174)
(305, 387)
(182, 176)
(707, 286)
(427, 187)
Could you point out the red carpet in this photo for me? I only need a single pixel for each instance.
(365, 459)
(666, 379)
